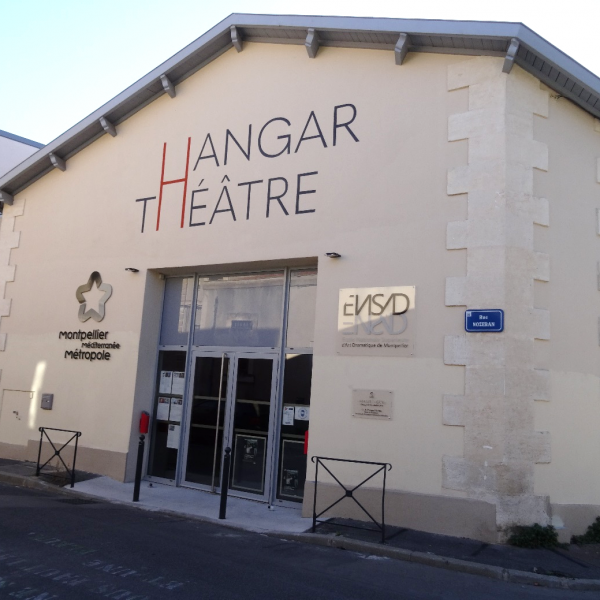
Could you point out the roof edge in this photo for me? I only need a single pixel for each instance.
(18, 138)
(217, 40)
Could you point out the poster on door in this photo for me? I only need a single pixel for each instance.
(249, 459)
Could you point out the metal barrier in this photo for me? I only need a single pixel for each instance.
(349, 492)
(43, 432)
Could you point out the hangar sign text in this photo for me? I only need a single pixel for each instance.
(211, 190)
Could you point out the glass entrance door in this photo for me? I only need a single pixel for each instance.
(232, 404)
(207, 407)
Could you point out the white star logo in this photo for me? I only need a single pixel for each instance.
(106, 292)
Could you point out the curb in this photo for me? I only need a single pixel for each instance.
(442, 562)
(30, 482)
(342, 543)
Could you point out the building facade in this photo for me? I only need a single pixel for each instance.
(272, 242)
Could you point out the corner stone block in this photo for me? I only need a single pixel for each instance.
(541, 324)
(474, 70)
(540, 208)
(539, 155)
(5, 307)
(522, 510)
(475, 123)
(453, 410)
(456, 291)
(9, 240)
(458, 180)
(16, 210)
(541, 270)
(541, 389)
(541, 447)
(456, 350)
(2, 342)
(457, 235)
(458, 473)
(454, 472)
(7, 273)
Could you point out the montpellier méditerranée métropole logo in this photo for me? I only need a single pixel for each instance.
(94, 344)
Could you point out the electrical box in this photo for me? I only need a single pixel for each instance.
(47, 401)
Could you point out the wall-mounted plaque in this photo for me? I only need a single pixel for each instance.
(376, 321)
(372, 404)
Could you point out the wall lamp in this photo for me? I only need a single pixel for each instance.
(132, 270)
(333, 255)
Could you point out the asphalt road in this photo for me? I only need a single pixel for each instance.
(52, 547)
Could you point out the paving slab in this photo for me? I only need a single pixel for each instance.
(246, 514)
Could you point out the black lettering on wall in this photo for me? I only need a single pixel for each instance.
(228, 135)
(194, 207)
(277, 197)
(224, 192)
(346, 124)
(300, 192)
(249, 184)
(286, 147)
(144, 200)
(319, 135)
(207, 140)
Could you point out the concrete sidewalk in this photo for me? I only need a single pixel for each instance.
(575, 568)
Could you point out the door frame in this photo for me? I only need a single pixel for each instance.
(229, 392)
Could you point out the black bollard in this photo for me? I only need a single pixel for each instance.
(138, 469)
(225, 483)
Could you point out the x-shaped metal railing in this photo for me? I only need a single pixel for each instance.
(75, 436)
(349, 492)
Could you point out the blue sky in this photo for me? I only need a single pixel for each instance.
(62, 59)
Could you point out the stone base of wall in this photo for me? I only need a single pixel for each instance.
(92, 460)
(447, 515)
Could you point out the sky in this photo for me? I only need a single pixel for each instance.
(62, 59)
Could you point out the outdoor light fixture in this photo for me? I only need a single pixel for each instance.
(333, 255)
(132, 270)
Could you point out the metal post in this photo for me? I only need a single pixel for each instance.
(314, 525)
(74, 459)
(138, 469)
(37, 469)
(383, 506)
(225, 483)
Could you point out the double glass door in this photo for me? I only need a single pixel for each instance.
(232, 404)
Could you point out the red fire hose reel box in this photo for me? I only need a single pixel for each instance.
(144, 422)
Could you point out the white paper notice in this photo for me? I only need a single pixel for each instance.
(178, 383)
(302, 413)
(162, 410)
(288, 415)
(166, 377)
(173, 437)
(176, 409)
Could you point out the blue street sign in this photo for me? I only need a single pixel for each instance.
(484, 320)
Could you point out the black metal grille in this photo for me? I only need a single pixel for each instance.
(349, 492)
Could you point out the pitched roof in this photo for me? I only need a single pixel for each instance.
(18, 138)
(514, 41)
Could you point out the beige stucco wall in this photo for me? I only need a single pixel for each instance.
(573, 352)
(385, 204)
(375, 201)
